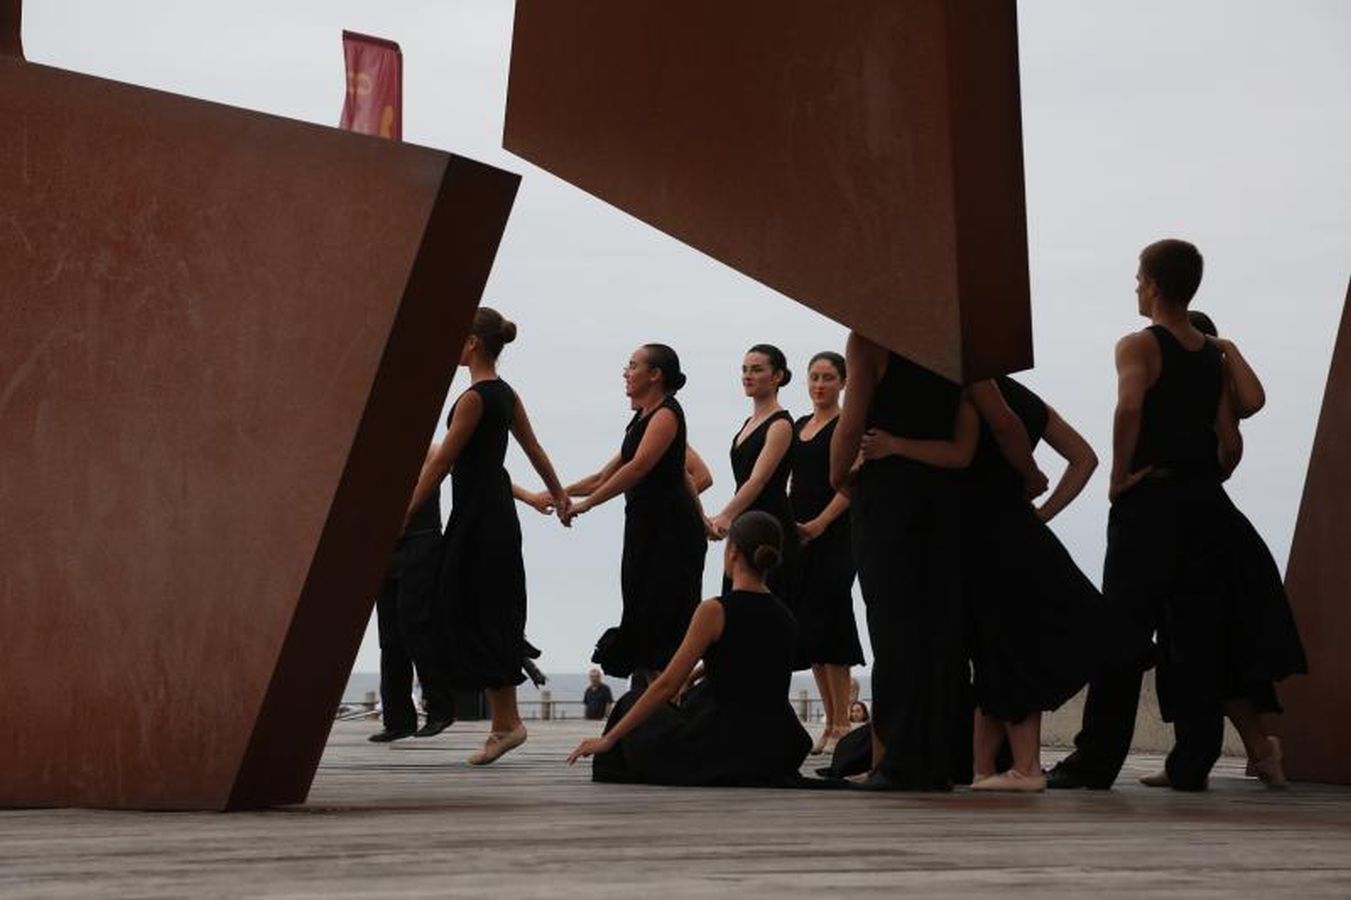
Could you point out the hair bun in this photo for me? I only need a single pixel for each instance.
(787, 377)
(677, 382)
(765, 557)
(508, 331)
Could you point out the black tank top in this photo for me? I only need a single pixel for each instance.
(751, 665)
(910, 401)
(666, 480)
(990, 469)
(1177, 428)
(480, 465)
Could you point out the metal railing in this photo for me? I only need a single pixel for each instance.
(546, 708)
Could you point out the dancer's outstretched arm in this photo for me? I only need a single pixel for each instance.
(525, 436)
(705, 628)
(661, 431)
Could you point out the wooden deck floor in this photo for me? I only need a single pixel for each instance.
(412, 820)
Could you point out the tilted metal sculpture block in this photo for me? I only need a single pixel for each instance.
(226, 338)
(863, 158)
(1318, 579)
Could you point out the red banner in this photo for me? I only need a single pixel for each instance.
(374, 103)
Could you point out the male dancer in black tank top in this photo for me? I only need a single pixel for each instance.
(1172, 444)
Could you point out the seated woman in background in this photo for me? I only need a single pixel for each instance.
(736, 726)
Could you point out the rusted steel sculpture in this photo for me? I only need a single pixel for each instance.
(863, 158)
(1316, 728)
(225, 338)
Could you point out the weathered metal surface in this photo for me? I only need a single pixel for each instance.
(224, 342)
(863, 158)
(1316, 726)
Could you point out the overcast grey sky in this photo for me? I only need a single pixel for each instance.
(1224, 121)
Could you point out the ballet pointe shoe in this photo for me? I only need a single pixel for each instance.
(497, 745)
(1012, 781)
(1268, 769)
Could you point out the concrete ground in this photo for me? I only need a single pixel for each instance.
(412, 820)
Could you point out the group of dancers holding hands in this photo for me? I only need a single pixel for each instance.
(928, 490)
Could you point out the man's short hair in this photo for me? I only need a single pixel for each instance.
(1175, 267)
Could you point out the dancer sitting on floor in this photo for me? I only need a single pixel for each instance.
(735, 727)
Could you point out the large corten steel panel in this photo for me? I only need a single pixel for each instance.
(1315, 725)
(863, 158)
(224, 343)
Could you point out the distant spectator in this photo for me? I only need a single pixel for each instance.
(858, 713)
(597, 698)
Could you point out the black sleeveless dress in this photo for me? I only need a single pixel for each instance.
(909, 529)
(481, 586)
(773, 499)
(822, 589)
(1227, 631)
(661, 576)
(736, 728)
(1037, 621)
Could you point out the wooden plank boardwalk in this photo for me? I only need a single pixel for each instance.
(411, 820)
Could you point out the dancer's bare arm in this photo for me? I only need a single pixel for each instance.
(1009, 433)
(525, 436)
(588, 484)
(778, 440)
(1137, 365)
(955, 453)
(661, 431)
(468, 411)
(1081, 459)
(865, 362)
(1248, 394)
(705, 628)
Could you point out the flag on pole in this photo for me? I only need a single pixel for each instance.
(374, 103)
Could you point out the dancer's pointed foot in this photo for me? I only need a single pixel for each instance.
(1013, 781)
(498, 744)
(820, 746)
(1158, 779)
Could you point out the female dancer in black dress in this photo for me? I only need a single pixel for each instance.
(661, 576)
(909, 530)
(481, 586)
(822, 596)
(761, 458)
(1268, 644)
(735, 727)
(1037, 621)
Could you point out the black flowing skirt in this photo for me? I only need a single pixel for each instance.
(1038, 626)
(481, 589)
(823, 601)
(661, 577)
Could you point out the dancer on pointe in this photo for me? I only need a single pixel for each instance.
(909, 523)
(1265, 643)
(1036, 620)
(661, 477)
(481, 587)
(735, 726)
(761, 455)
(822, 598)
(1175, 558)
